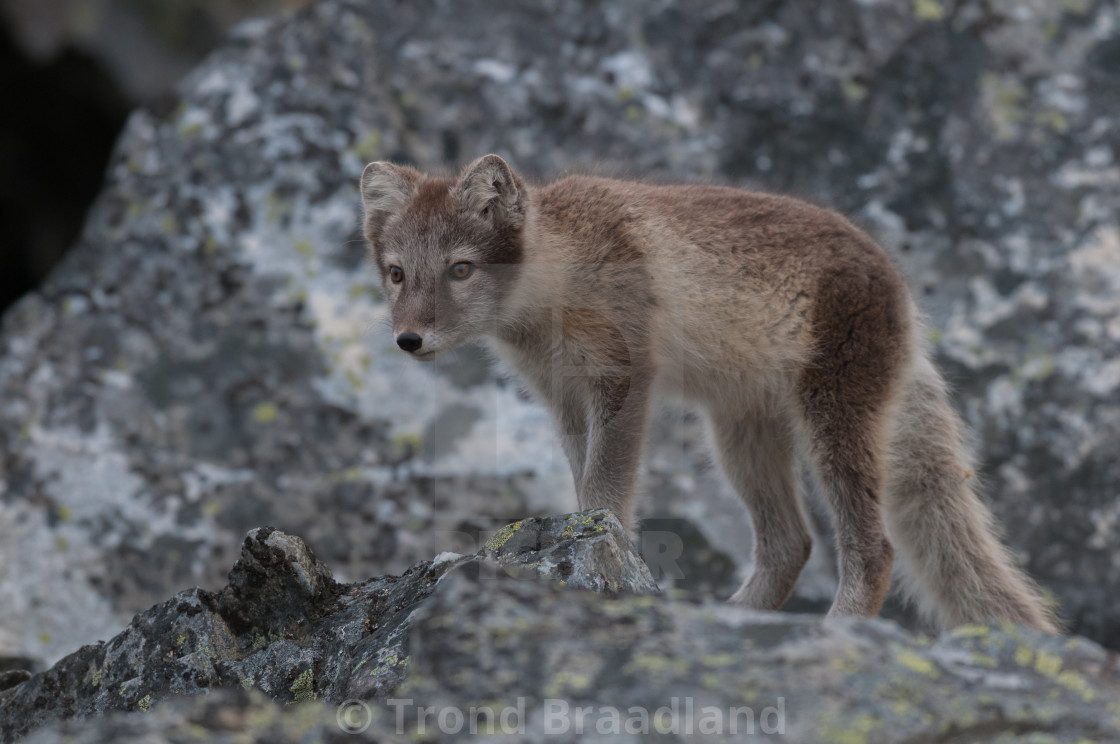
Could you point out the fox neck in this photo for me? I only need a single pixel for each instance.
(541, 278)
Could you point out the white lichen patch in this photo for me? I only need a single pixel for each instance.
(46, 572)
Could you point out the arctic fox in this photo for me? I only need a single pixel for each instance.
(785, 323)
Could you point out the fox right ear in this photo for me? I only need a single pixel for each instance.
(386, 189)
(489, 187)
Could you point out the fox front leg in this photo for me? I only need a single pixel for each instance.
(616, 431)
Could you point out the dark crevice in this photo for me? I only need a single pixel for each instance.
(56, 135)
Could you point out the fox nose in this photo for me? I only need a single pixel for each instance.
(409, 341)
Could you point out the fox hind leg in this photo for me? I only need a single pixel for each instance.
(853, 487)
(758, 456)
(846, 434)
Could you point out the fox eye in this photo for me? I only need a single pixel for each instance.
(461, 270)
(395, 274)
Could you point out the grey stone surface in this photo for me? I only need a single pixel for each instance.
(419, 657)
(211, 356)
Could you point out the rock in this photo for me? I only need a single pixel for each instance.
(277, 586)
(283, 626)
(202, 362)
(799, 675)
(551, 547)
(540, 661)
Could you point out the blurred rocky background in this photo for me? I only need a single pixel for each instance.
(71, 71)
(210, 355)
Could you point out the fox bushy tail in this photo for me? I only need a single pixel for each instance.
(953, 564)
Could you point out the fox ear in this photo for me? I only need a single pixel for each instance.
(490, 188)
(386, 189)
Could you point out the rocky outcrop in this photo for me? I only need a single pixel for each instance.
(466, 644)
(204, 363)
(284, 626)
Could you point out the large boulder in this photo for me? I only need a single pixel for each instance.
(210, 356)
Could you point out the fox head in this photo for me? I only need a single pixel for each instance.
(448, 250)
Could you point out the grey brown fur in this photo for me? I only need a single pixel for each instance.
(782, 320)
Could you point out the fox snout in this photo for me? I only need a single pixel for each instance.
(410, 342)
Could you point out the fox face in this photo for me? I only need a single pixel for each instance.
(448, 250)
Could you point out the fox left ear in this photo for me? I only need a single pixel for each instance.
(386, 189)
(490, 188)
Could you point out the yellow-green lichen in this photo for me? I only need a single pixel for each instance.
(586, 521)
(1003, 98)
(95, 678)
(169, 225)
(502, 536)
(1052, 119)
(408, 441)
(656, 664)
(929, 10)
(902, 707)
(266, 412)
(351, 474)
(710, 681)
(1048, 664)
(719, 660)
(369, 146)
(916, 663)
(972, 631)
(984, 660)
(145, 703)
(1071, 680)
(303, 689)
(847, 731)
(389, 663)
(355, 380)
(566, 681)
(854, 91)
